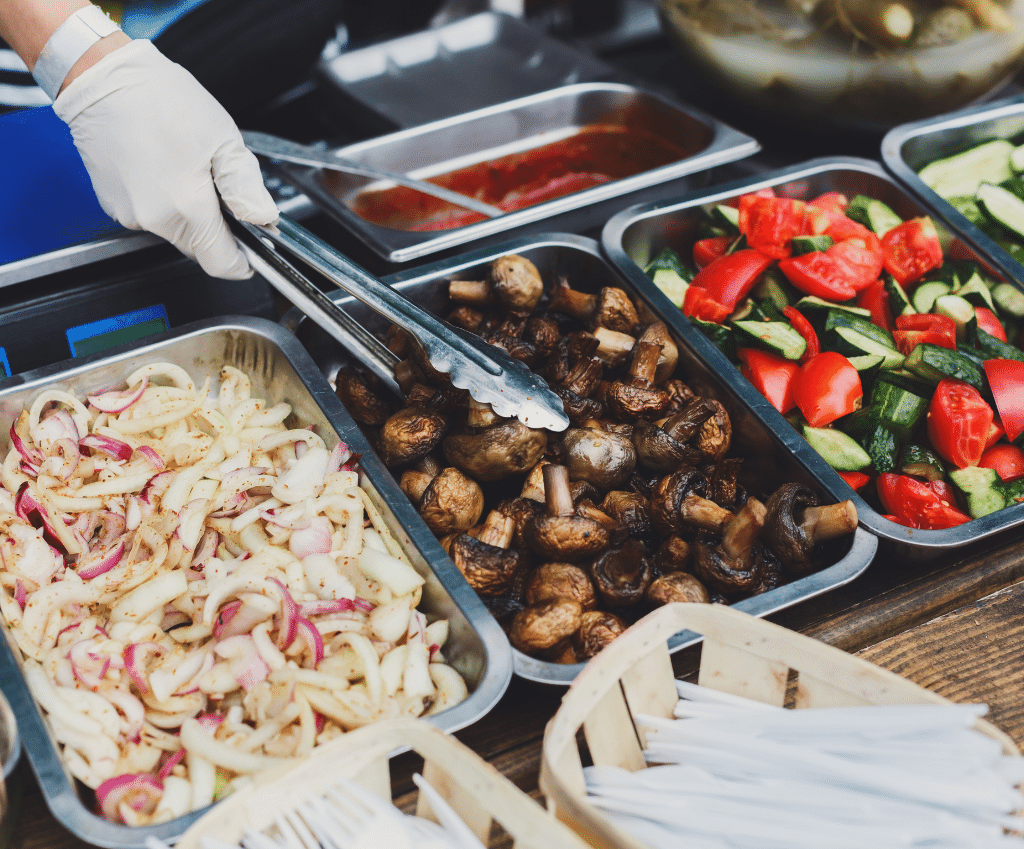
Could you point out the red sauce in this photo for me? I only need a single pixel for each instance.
(594, 155)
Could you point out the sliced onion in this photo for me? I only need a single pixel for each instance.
(88, 668)
(135, 655)
(156, 486)
(171, 763)
(132, 708)
(330, 605)
(286, 628)
(140, 791)
(316, 539)
(113, 526)
(28, 453)
(224, 617)
(94, 563)
(150, 454)
(244, 660)
(210, 722)
(339, 454)
(19, 593)
(207, 547)
(314, 641)
(191, 520)
(293, 517)
(56, 424)
(134, 512)
(113, 448)
(29, 508)
(117, 401)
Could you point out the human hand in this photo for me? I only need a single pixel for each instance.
(162, 154)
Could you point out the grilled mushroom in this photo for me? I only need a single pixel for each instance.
(561, 580)
(679, 395)
(506, 449)
(597, 629)
(560, 535)
(542, 626)
(466, 317)
(477, 293)
(365, 405)
(451, 502)
(629, 509)
(795, 524)
(734, 563)
(604, 459)
(414, 481)
(638, 397)
(410, 434)
(677, 586)
(613, 347)
(486, 560)
(673, 555)
(520, 511)
(657, 334)
(517, 283)
(622, 575)
(543, 333)
(668, 495)
(611, 307)
(715, 434)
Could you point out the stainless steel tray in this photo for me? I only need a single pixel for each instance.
(580, 260)
(442, 146)
(468, 64)
(280, 370)
(909, 147)
(636, 235)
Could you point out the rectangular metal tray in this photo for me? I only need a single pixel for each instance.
(468, 64)
(280, 370)
(442, 146)
(633, 237)
(579, 260)
(909, 147)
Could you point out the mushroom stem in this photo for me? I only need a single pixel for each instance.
(564, 299)
(645, 361)
(684, 425)
(474, 292)
(479, 414)
(613, 347)
(702, 513)
(829, 521)
(669, 356)
(406, 375)
(498, 530)
(740, 534)
(556, 490)
(533, 486)
(584, 376)
(589, 510)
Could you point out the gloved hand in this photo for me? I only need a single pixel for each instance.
(155, 143)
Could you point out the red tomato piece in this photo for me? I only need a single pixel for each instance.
(771, 375)
(886, 486)
(959, 422)
(911, 249)
(697, 303)
(831, 202)
(802, 326)
(861, 257)
(928, 321)
(706, 251)
(995, 433)
(988, 322)
(875, 300)
(1007, 460)
(730, 278)
(1006, 380)
(826, 388)
(907, 340)
(820, 274)
(919, 505)
(770, 223)
(855, 480)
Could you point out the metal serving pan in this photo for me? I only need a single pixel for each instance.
(280, 371)
(470, 63)
(580, 260)
(636, 235)
(909, 147)
(484, 134)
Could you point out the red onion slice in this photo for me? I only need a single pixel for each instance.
(150, 454)
(113, 448)
(210, 722)
(339, 454)
(117, 401)
(170, 764)
(139, 790)
(89, 669)
(32, 511)
(314, 641)
(135, 655)
(316, 539)
(326, 606)
(94, 563)
(19, 593)
(29, 454)
(207, 547)
(244, 660)
(286, 628)
(224, 617)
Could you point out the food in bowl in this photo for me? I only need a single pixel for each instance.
(200, 590)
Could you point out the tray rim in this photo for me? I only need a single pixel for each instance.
(58, 792)
(923, 543)
(398, 246)
(862, 548)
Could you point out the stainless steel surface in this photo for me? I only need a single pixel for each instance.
(909, 147)
(638, 234)
(468, 64)
(580, 260)
(280, 370)
(482, 135)
(283, 150)
(489, 373)
(74, 256)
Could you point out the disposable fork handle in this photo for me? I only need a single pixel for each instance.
(447, 816)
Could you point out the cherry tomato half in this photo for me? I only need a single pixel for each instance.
(911, 249)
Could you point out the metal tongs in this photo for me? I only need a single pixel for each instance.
(489, 373)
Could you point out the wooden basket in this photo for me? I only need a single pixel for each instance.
(741, 654)
(475, 789)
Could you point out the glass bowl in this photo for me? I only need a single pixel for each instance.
(792, 58)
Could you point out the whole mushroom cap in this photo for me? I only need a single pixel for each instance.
(677, 586)
(544, 625)
(510, 448)
(517, 283)
(561, 580)
(597, 629)
(410, 434)
(451, 502)
(782, 531)
(604, 459)
(488, 569)
(568, 538)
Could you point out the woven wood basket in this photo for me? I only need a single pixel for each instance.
(740, 654)
(476, 790)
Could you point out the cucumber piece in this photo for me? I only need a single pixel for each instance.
(746, 310)
(961, 174)
(840, 451)
(810, 244)
(866, 362)
(810, 303)
(775, 336)
(669, 259)
(969, 209)
(858, 424)
(976, 291)
(775, 288)
(727, 217)
(934, 364)
(1009, 299)
(883, 447)
(926, 294)
(981, 486)
(996, 349)
(1002, 206)
(897, 409)
(899, 303)
(959, 309)
(671, 285)
(922, 462)
(720, 335)
(1017, 158)
(873, 214)
(842, 318)
(850, 343)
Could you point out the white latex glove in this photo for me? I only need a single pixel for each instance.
(156, 143)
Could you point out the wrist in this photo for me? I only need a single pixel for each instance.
(77, 44)
(104, 47)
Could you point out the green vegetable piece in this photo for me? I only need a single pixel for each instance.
(1009, 299)
(883, 447)
(922, 462)
(810, 244)
(982, 488)
(961, 174)
(840, 451)
(873, 214)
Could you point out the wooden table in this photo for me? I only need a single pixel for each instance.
(955, 626)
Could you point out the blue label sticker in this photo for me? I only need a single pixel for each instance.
(108, 332)
(5, 364)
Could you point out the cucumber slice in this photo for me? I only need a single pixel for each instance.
(883, 447)
(959, 309)
(873, 214)
(810, 244)
(981, 486)
(1002, 206)
(969, 209)
(1017, 158)
(922, 462)
(812, 302)
(841, 318)
(850, 343)
(1009, 299)
(926, 294)
(899, 303)
(996, 349)
(898, 409)
(727, 217)
(840, 451)
(976, 291)
(866, 362)
(775, 288)
(934, 364)
(961, 174)
(672, 286)
(720, 335)
(775, 336)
